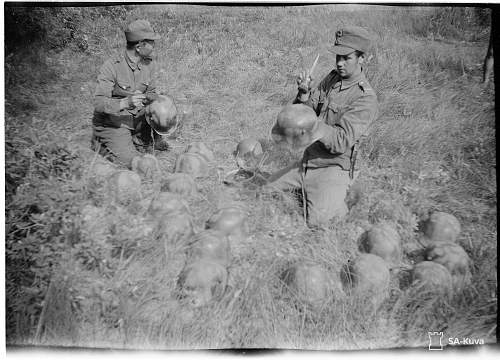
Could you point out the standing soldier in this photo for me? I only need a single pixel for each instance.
(345, 104)
(125, 84)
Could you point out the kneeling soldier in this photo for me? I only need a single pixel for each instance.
(345, 104)
(125, 86)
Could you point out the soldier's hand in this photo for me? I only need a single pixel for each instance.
(161, 144)
(133, 101)
(304, 80)
(137, 100)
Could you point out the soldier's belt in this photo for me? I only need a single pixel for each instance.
(119, 120)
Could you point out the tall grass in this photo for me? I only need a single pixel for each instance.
(231, 69)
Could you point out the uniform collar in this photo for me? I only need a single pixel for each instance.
(347, 83)
(134, 66)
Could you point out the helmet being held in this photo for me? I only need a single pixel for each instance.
(161, 115)
(295, 126)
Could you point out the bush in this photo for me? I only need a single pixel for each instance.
(57, 27)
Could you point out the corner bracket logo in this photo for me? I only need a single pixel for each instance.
(435, 340)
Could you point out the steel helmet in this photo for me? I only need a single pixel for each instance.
(249, 145)
(367, 275)
(180, 183)
(161, 115)
(175, 229)
(453, 257)
(166, 202)
(124, 185)
(201, 281)
(211, 245)
(432, 276)
(145, 165)
(229, 220)
(248, 153)
(382, 240)
(295, 125)
(442, 226)
(193, 164)
(311, 283)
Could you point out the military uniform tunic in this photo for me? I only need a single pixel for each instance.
(348, 106)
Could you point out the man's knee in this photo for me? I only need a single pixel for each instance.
(116, 144)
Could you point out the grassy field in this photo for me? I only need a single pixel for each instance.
(101, 280)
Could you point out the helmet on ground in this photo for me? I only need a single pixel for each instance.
(311, 283)
(248, 153)
(382, 240)
(202, 281)
(175, 228)
(193, 164)
(432, 276)
(125, 186)
(442, 226)
(209, 245)
(161, 115)
(103, 168)
(230, 220)
(166, 202)
(368, 276)
(180, 183)
(295, 125)
(453, 257)
(145, 165)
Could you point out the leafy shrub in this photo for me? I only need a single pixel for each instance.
(58, 27)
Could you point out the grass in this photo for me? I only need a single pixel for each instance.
(231, 69)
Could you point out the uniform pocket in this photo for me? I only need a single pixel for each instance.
(331, 113)
(124, 85)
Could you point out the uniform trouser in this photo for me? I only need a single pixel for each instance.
(325, 190)
(120, 144)
(115, 144)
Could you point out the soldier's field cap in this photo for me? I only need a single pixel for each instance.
(350, 39)
(139, 30)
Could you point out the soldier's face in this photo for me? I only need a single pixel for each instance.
(145, 48)
(348, 65)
